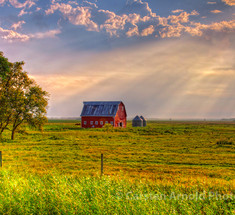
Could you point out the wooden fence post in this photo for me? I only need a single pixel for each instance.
(102, 164)
(0, 158)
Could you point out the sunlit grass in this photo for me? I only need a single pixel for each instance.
(54, 193)
(58, 171)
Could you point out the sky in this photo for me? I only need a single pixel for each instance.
(163, 59)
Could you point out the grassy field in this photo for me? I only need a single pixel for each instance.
(165, 168)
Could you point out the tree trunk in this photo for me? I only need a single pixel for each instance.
(13, 134)
(15, 126)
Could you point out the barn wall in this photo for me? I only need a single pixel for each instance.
(120, 116)
(136, 123)
(89, 119)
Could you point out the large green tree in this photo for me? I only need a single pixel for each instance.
(21, 99)
(5, 103)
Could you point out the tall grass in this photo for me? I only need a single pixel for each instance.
(25, 193)
(162, 149)
(164, 168)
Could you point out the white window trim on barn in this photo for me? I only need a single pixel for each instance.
(96, 122)
(91, 122)
(101, 122)
(84, 123)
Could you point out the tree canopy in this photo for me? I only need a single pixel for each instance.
(21, 99)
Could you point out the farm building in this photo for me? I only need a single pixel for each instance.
(137, 122)
(98, 113)
(144, 121)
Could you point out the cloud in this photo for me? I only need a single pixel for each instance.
(90, 4)
(177, 11)
(136, 19)
(115, 23)
(211, 2)
(77, 16)
(198, 29)
(139, 7)
(216, 11)
(147, 31)
(223, 26)
(171, 31)
(27, 3)
(182, 17)
(47, 34)
(17, 25)
(229, 2)
(163, 78)
(12, 36)
(133, 32)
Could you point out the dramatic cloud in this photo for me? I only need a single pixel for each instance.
(147, 31)
(12, 36)
(22, 12)
(114, 24)
(27, 3)
(222, 26)
(199, 28)
(168, 58)
(139, 7)
(216, 11)
(229, 2)
(133, 32)
(172, 31)
(90, 4)
(48, 34)
(177, 11)
(77, 16)
(136, 19)
(17, 25)
(182, 17)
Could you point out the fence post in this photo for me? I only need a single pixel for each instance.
(102, 164)
(0, 158)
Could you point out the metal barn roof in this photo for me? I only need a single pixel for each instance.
(138, 119)
(143, 118)
(100, 108)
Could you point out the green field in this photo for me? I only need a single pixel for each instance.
(165, 168)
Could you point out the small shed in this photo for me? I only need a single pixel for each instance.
(144, 121)
(137, 122)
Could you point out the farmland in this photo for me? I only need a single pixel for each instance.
(189, 158)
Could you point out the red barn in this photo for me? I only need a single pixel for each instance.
(97, 114)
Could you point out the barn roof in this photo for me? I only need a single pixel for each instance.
(137, 119)
(143, 118)
(100, 108)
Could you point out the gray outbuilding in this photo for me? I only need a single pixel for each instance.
(144, 121)
(137, 122)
